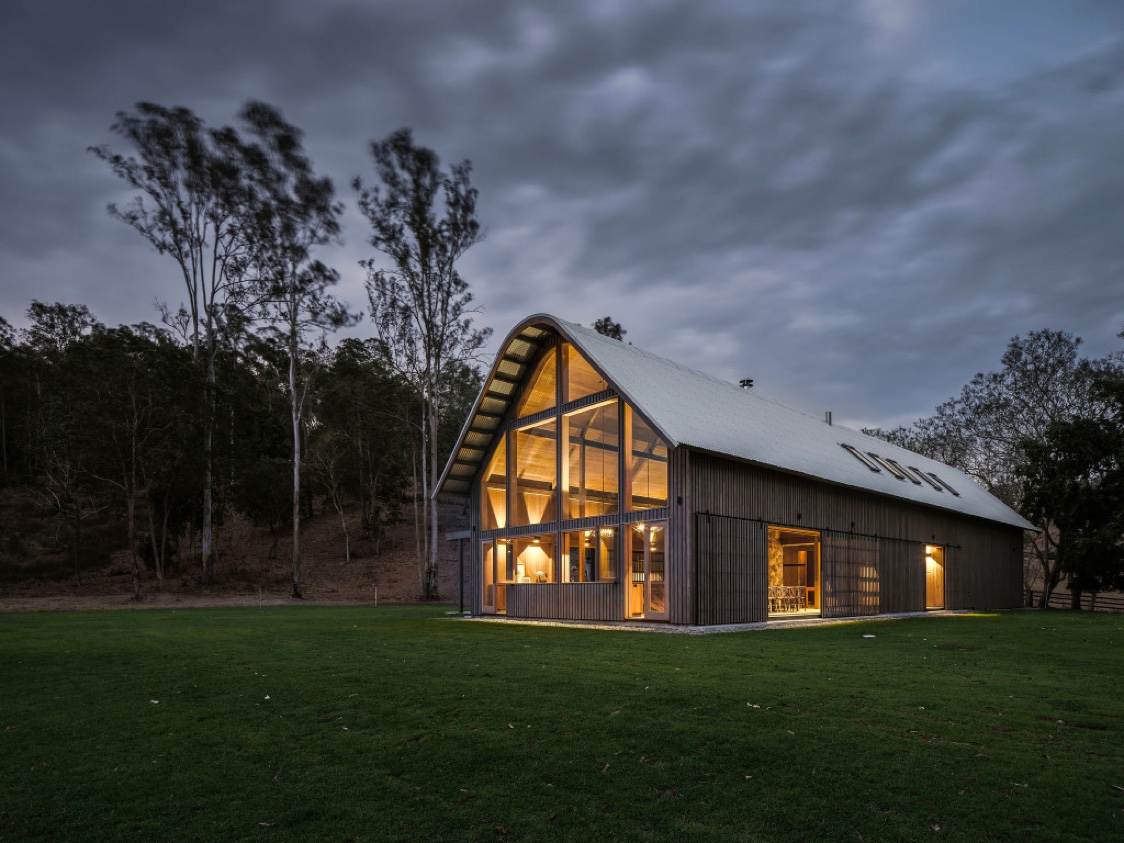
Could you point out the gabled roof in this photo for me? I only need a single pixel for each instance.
(701, 411)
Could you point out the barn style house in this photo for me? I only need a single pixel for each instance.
(609, 484)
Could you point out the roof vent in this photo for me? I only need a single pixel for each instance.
(827, 417)
(746, 383)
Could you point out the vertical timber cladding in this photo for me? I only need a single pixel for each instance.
(850, 575)
(885, 545)
(731, 570)
(566, 601)
(901, 576)
(998, 584)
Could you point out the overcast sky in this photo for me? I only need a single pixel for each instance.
(857, 204)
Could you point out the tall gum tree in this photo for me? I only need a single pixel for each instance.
(422, 221)
(191, 205)
(294, 212)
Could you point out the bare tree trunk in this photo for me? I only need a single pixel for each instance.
(338, 504)
(1050, 573)
(152, 538)
(191, 539)
(131, 530)
(417, 521)
(1074, 597)
(159, 542)
(77, 538)
(208, 477)
(432, 581)
(296, 418)
(425, 497)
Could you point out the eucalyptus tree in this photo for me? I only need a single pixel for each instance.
(423, 220)
(293, 212)
(191, 205)
(985, 429)
(1074, 479)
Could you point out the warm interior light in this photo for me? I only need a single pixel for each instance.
(535, 540)
(537, 503)
(499, 505)
(640, 528)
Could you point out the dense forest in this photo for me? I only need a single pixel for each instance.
(103, 424)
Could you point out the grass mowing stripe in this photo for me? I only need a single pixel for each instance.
(398, 724)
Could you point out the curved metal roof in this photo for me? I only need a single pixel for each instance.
(691, 408)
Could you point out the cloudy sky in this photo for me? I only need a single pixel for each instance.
(855, 203)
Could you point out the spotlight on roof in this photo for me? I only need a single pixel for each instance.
(746, 383)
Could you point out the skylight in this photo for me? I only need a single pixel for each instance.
(935, 477)
(908, 474)
(915, 475)
(926, 478)
(860, 456)
(889, 465)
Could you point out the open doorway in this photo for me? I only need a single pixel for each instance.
(794, 572)
(647, 594)
(934, 577)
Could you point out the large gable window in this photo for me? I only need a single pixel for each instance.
(534, 474)
(580, 379)
(592, 451)
(493, 500)
(541, 391)
(648, 457)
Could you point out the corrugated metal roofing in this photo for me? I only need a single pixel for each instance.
(701, 411)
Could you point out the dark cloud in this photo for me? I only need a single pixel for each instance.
(810, 198)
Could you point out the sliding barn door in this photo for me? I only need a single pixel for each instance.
(850, 575)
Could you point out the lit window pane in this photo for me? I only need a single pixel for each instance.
(648, 466)
(534, 560)
(535, 474)
(592, 461)
(607, 554)
(581, 378)
(540, 391)
(493, 492)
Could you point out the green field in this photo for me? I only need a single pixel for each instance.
(357, 724)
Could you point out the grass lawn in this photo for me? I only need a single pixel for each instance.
(356, 724)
